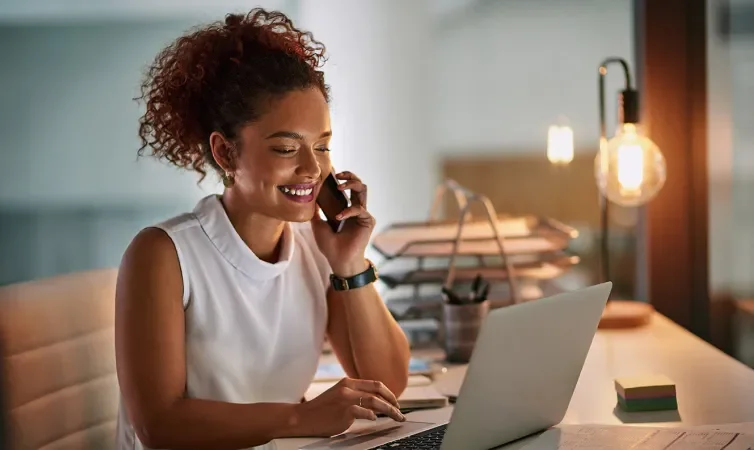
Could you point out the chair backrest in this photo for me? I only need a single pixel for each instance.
(59, 361)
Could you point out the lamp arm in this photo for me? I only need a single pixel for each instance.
(623, 63)
(604, 203)
(629, 95)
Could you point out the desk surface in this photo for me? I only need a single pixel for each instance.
(712, 388)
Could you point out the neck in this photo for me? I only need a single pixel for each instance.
(262, 234)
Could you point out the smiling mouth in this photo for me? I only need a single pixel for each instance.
(300, 193)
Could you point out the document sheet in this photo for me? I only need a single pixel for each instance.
(593, 437)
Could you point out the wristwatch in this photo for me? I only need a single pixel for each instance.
(359, 280)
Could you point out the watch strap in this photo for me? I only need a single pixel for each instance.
(356, 281)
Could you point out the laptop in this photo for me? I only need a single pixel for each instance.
(523, 371)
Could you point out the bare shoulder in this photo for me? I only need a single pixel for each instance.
(150, 267)
(151, 248)
(150, 243)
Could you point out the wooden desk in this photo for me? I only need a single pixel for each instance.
(712, 388)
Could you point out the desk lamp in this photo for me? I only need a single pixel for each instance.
(630, 170)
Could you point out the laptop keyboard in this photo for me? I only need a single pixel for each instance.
(426, 440)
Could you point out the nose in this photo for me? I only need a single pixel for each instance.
(308, 166)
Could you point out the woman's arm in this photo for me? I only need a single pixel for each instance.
(151, 365)
(366, 339)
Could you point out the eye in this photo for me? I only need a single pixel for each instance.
(323, 149)
(284, 151)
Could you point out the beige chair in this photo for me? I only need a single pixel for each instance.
(59, 361)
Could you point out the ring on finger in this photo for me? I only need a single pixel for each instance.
(360, 399)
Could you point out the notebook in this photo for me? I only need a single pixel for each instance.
(420, 393)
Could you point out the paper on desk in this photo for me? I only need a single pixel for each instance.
(318, 387)
(334, 371)
(582, 437)
(419, 393)
(740, 427)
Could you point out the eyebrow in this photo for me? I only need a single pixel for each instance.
(294, 135)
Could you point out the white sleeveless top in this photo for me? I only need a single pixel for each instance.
(254, 330)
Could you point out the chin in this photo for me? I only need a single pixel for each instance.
(296, 208)
(299, 215)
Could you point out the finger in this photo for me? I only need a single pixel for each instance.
(358, 192)
(354, 211)
(346, 175)
(352, 390)
(358, 412)
(353, 185)
(377, 404)
(374, 387)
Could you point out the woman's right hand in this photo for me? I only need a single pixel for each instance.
(334, 411)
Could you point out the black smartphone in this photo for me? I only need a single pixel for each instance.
(332, 201)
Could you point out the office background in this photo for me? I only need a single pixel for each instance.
(414, 84)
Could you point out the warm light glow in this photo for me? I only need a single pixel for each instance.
(560, 144)
(630, 168)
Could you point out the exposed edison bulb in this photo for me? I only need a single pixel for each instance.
(630, 168)
(560, 144)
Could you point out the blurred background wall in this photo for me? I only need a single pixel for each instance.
(413, 83)
(419, 88)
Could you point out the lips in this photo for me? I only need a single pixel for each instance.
(300, 193)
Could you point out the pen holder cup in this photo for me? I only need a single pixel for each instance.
(461, 324)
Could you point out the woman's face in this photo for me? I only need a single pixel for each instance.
(284, 156)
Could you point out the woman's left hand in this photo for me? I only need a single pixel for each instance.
(345, 250)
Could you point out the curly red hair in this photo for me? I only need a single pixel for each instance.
(218, 77)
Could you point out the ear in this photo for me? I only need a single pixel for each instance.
(223, 151)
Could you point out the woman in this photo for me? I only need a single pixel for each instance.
(222, 312)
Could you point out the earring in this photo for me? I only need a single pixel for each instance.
(228, 179)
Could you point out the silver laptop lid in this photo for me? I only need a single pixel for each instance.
(525, 366)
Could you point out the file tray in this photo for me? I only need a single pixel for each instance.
(429, 307)
(548, 267)
(519, 235)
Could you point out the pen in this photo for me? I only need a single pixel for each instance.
(475, 285)
(485, 291)
(451, 297)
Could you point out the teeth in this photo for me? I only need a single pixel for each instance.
(297, 191)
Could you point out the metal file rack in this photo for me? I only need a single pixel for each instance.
(526, 247)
